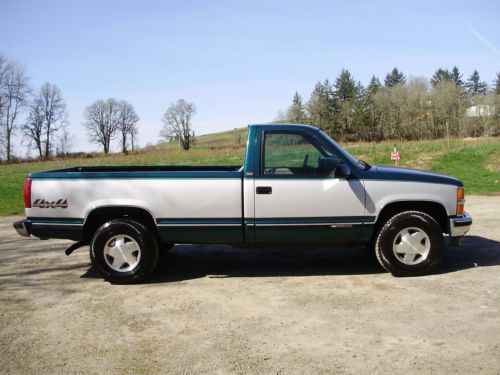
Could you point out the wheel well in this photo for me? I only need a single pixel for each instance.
(433, 209)
(101, 215)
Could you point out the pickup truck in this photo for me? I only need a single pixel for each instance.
(296, 186)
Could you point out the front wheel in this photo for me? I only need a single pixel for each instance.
(124, 251)
(410, 244)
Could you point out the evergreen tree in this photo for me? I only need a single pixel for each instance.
(496, 84)
(296, 113)
(441, 75)
(373, 86)
(475, 86)
(456, 77)
(321, 106)
(346, 95)
(345, 86)
(394, 78)
(372, 116)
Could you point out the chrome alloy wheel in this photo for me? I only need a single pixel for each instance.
(411, 246)
(122, 253)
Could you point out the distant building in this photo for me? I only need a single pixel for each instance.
(481, 110)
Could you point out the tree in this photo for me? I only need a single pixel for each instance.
(296, 113)
(127, 123)
(64, 142)
(54, 112)
(373, 130)
(13, 96)
(321, 106)
(177, 123)
(395, 77)
(133, 138)
(417, 118)
(456, 77)
(47, 115)
(441, 75)
(345, 86)
(373, 86)
(447, 108)
(346, 94)
(102, 119)
(280, 116)
(474, 85)
(34, 126)
(496, 84)
(3, 70)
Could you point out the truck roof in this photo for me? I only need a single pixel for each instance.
(277, 125)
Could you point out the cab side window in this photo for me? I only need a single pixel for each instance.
(290, 154)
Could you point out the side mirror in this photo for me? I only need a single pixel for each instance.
(328, 166)
(343, 171)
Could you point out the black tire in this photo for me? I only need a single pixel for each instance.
(389, 235)
(133, 230)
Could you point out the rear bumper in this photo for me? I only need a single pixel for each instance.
(23, 227)
(460, 225)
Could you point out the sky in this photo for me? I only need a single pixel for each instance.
(238, 61)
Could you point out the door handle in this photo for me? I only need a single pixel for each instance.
(264, 190)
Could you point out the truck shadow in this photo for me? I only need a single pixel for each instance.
(186, 262)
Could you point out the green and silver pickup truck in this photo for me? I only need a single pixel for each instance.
(296, 186)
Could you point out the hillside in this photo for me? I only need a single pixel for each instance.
(474, 160)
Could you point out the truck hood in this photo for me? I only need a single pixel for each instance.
(406, 174)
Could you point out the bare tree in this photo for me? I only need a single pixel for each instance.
(3, 69)
(47, 115)
(64, 142)
(102, 119)
(133, 138)
(177, 123)
(13, 96)
(127, 123)
(33, 127)
(54, 112)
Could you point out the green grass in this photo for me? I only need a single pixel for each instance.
(475, 161)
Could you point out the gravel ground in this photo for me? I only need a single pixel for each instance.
(221, 310)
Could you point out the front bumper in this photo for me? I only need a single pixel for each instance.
(460, 225)
(23, 227)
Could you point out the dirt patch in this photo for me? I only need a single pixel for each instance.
(218, 309)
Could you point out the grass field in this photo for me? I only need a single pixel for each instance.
(475, 161)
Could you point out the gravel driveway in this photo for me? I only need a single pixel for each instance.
(221, 310)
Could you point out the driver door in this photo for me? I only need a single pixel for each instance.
(295, 201)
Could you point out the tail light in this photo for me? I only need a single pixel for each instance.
(27, 193)
(460, 201)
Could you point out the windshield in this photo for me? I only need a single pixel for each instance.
(360, 164)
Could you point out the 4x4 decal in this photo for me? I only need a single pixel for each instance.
(42, 203)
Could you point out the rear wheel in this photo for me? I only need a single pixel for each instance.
(410, 244)
(124, 251)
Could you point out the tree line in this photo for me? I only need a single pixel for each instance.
(44, 126)
(41, 118)
(418, 108)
